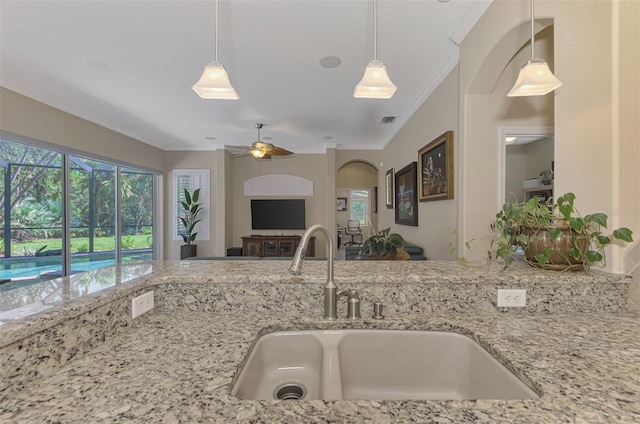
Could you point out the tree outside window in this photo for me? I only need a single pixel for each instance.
(359, 199)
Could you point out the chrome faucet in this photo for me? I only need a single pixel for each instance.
(330, 289)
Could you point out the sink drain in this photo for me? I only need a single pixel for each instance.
(290, 391)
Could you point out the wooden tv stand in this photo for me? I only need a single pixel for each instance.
(262, 246)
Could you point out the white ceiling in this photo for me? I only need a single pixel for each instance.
(155, 51)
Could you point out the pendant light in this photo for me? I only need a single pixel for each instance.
(214, 82)
(535, 78)
(375, 83)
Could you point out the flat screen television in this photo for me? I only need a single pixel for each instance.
(277, 214)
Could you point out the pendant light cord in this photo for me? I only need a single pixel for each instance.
(375, 29)
(532, 35)
(218, 24)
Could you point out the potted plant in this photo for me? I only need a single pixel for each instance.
(189, 218)
(547, 176)
(385, 245)
(552, 236)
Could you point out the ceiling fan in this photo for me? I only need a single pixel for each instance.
(262, 150)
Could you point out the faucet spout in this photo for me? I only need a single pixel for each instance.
(330, 288)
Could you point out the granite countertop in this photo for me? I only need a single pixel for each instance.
(178, 368)
(176, 365)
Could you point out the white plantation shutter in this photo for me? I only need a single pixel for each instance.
(191, 179)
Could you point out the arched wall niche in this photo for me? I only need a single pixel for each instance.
(485, 108)
(356, 173)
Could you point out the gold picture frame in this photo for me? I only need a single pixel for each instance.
(435, 165)
(388, 189)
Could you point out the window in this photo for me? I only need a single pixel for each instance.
(359, 199)
(137, 214)
(31, 210)
(191, 179)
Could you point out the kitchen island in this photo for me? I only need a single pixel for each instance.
(176, 363)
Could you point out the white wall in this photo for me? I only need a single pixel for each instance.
(30, 118)
(483, 112)
(514, 174)
(436, 219)
(310, 166)
(626, 131)
(538, 156)
(189, 160)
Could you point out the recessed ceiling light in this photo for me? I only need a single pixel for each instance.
(327, 137)
(94, 65)
(330, 62)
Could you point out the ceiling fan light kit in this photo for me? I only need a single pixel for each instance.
(214, 82)
(375, 83)
(257, 153)
(535, 78)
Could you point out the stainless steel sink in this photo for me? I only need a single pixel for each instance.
(374, 364)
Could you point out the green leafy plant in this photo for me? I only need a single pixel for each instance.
(189, 218)
(127, 242)
(383, 243)
(453, 247)
(553, 236)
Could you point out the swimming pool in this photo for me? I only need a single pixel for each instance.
(51, 266)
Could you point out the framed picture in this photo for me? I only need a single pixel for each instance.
(388, 188)
(375, 200)
(342, 204)
(435, 162)
(407, 196)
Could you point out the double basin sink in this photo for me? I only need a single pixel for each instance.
(374, 364)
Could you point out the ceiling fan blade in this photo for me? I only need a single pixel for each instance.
(238, 150)
(279, 151)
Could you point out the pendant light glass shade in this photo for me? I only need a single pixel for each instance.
(535, 78)
(375, 83)
(214, 83)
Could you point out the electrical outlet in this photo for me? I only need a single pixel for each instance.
(512, 298)
(141, 304)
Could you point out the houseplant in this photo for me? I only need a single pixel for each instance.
(385, 245)
(552, 236)
(189, 218)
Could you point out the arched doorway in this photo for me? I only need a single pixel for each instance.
(356, 185)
